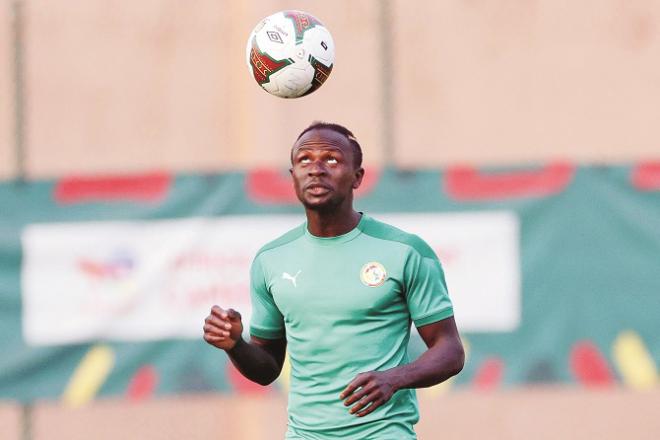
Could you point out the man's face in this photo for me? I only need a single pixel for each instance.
(323, 170)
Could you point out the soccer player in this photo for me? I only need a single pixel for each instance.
(341, 291)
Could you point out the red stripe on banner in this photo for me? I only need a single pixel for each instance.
(489, 375)
(143, 384)
(466, 183)
(369, 182)
(150, 187)
(646, 176)
(269, 186)
(589, 366)
(243, 385)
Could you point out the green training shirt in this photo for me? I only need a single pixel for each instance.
(345, 305)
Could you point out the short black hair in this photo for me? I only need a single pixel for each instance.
(320, 125)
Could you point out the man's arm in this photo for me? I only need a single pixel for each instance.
(259, 360)
(443, 359)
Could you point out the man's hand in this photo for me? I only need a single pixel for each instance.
(223, 328)
(370, 390)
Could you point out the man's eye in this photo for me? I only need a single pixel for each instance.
(304, 160)
(332, 160)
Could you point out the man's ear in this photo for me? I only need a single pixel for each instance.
(359, 174)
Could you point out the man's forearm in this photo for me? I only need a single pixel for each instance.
(434, 366)
(254, 362)
(441, 361)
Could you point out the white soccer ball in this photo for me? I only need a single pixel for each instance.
(290, 54)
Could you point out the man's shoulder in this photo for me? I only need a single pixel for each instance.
(384, 231)
(284, 239)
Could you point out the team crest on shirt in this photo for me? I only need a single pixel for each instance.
(373, 274)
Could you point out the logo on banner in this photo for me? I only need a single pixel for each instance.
(116, 266)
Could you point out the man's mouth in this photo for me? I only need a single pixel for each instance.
(317, 189)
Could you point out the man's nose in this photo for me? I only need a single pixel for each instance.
(317, 168)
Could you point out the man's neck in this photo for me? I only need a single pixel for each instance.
(332, 224)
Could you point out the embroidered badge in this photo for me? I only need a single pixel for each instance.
(373, 274)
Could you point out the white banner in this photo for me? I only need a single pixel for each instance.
(146, 280)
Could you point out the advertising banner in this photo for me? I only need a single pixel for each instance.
(553, 272)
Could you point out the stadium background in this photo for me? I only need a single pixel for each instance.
(529, 129)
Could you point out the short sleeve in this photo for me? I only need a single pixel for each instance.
(267, 321)
(426, 290)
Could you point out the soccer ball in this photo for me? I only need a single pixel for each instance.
(290, 54)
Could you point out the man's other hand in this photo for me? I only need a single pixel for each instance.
(223, 328)
(368, 391)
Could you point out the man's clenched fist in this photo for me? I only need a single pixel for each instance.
(223, 328)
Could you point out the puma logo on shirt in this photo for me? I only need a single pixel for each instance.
(286, 276)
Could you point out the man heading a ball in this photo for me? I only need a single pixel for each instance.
(341, 291)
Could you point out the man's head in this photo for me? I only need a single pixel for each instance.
(357, 150)
(326, 166)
